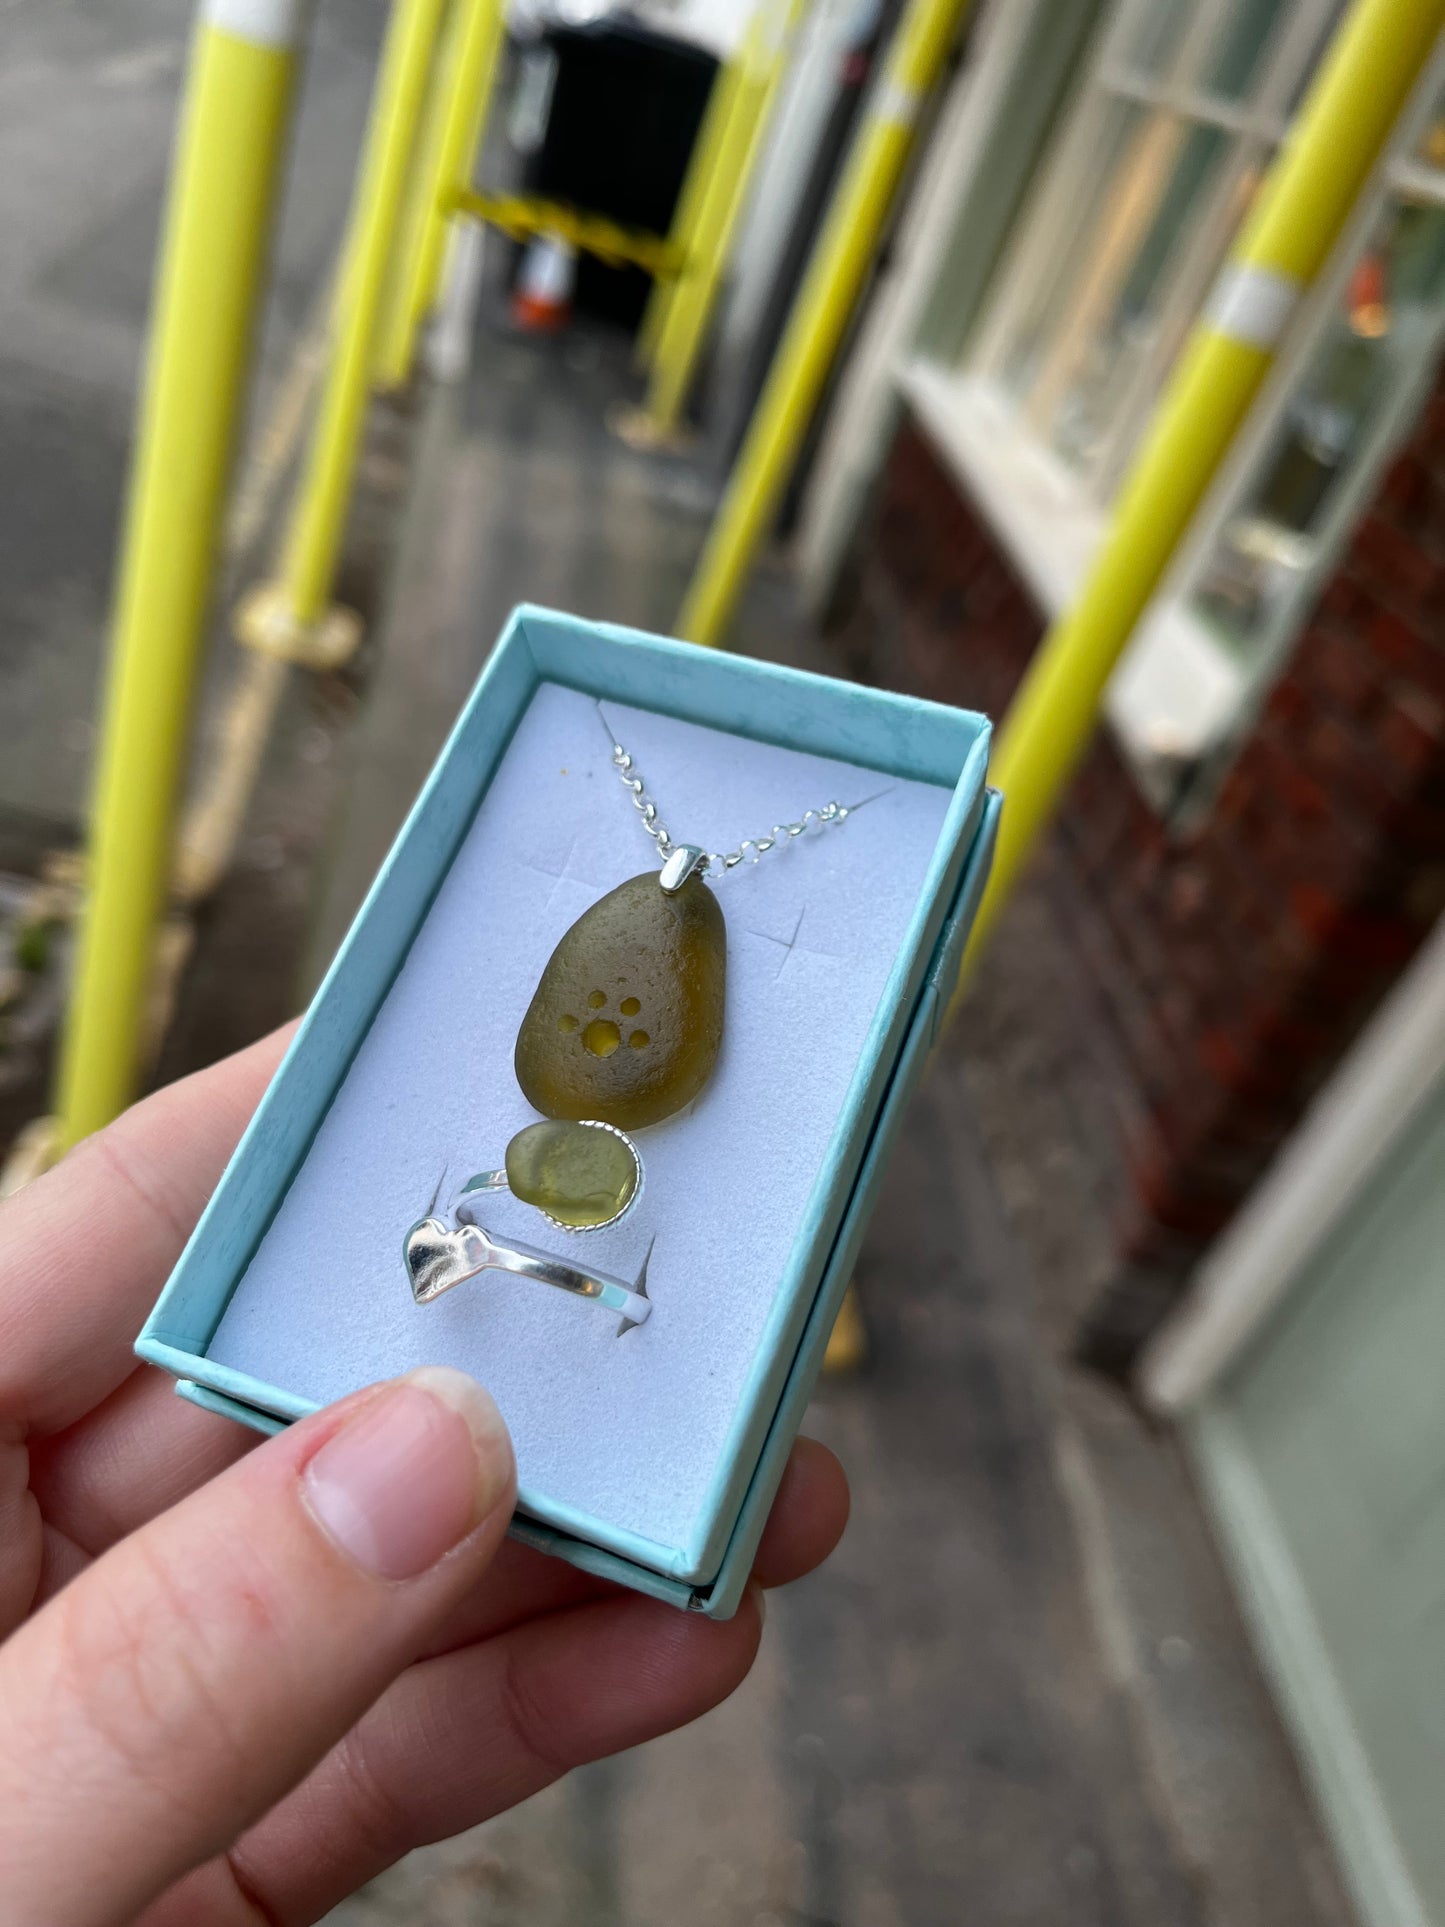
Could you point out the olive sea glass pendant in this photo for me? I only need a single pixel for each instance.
(581, 1175)
(627, 1019)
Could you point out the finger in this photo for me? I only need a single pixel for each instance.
(88, 1246)
(138, 1453)
(808, 1516)
(806, 1522)
(22, 1533)
(521, 1584)
(463, 1737)
(143, 1449)
(368, 1804)
(61, 1560)
(188, 1679)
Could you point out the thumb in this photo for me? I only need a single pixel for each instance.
(189, 1678)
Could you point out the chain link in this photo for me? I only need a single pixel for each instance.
(716, 862)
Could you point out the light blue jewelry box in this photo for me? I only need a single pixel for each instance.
(884, 732)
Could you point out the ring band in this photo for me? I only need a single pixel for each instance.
(439, 1256)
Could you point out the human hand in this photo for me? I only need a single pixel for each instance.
(226, 1706)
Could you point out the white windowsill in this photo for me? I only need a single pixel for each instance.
(1176, 691)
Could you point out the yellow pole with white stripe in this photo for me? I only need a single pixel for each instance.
(225, 185)
(452, 128)
(684, 328)
(721, 102)
(835, 275)
(293, 616)
(1367, 75)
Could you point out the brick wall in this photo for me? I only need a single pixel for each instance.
(1232, 963)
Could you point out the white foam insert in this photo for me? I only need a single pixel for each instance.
(629, 1430)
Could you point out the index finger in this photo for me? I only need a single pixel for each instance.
(85, 1249)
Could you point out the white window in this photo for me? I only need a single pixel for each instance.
(1172, 124)
(1353, 397)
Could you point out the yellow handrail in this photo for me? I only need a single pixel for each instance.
(1377, 56)
(522, 215)
(836, 273)
(683, 330)
(224, 190)
(711, 137)
(452, 128)
(293, 616)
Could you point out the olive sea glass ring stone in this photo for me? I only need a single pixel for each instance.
(581, 1174)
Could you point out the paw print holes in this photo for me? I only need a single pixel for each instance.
(602, 1036)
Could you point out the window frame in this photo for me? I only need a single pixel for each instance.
(956, 398)
(1254, 126)
(1259, 438)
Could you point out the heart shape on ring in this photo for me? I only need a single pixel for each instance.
(438, 1257)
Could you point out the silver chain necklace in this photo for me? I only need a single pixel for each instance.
(713, 862)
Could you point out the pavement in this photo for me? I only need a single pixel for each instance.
(1020, 1692)
(88, 97)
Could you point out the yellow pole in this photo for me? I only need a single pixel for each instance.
(711, 136)
(452, 127)
(820, 314)
(225, 185)
(1363, 83)
(684, 328)
(293, 616)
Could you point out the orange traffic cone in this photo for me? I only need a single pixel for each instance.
(542, 300)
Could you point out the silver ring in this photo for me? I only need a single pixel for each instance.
(439, 1256)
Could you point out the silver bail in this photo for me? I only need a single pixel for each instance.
(686, 859)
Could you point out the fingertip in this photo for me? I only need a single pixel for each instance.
(474, 1405)
(413, 1470)
(808, 1517)
(717, 1654)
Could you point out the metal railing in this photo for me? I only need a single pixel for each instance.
(429, 107)
(435, 83)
